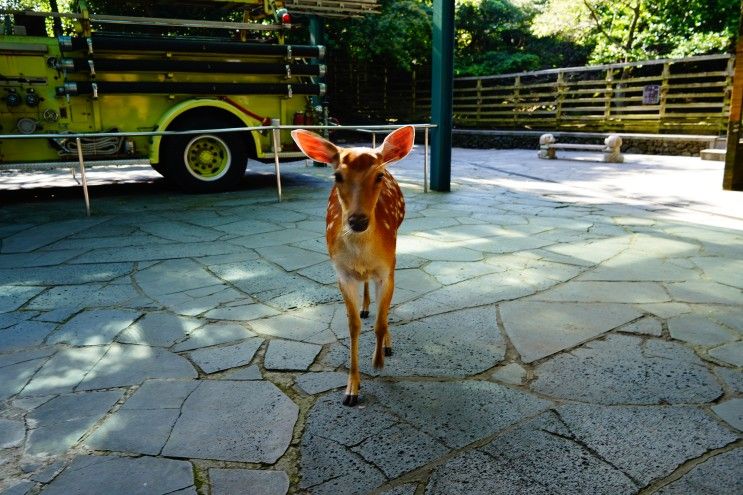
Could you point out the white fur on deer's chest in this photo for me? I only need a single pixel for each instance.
(355, 258)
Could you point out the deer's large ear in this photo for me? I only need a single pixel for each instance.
(398, 144)
(316, 147)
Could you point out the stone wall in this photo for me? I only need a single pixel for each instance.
(642, 144)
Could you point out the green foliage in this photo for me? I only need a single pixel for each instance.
(400, 36)
(626, 30)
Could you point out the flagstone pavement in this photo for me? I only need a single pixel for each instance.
(559, 327)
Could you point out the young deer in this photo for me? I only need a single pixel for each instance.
(365, 209)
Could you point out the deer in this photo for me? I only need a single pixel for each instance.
(365, 210)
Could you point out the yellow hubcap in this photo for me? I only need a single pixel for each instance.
(207, 157)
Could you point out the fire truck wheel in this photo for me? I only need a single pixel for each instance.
(204, 163)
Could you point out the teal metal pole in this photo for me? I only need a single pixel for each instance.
(442, 80)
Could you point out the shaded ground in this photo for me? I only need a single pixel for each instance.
(559, 327)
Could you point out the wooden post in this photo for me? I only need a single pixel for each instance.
(726, 95)
(608, 93)
(516, 97)
(664, 86)
(560, 97)
(414, 96)
(479, 101)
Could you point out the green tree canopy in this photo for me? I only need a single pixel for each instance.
(625, 30)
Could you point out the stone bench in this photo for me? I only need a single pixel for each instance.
(611, 148)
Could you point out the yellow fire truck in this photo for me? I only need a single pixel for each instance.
(101, 79)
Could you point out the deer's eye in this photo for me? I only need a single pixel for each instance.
(379, 177)
(338, 177)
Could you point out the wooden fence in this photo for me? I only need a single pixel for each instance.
(687, 96)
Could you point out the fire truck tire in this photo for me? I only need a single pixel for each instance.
(204, 163)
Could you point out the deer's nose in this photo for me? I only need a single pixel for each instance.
(358, 223)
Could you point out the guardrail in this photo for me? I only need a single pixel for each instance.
(275, 130)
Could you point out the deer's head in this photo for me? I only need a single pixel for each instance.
(359, 172)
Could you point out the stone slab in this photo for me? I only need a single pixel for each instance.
(512, 374)
(456, 413)
(21, 488)
(125, 365)
(333, 470)
(322, 381)
(87, 296)
(248, 482)
(289, 355)
(459, 343)
(94, 327)
(699, 330)
(731, 411)
(214, 334)
(64, 371)
(122, 476)
(719, 475)
(252, 372)
(704, 292)
(13, 297)
(400, 449)
(731, 353)
(159, 329)
(41, 235)
(12, 433)
(623, 369)
(644, 326)
(65, 274)
(244, 312)
(245, 421)
(511, 464)
(559, 326)
(628, 436)
(213, 359)
(134, 431)
(25, 334)
(606, 292)
(732, 378)
(294, 327)
(59, 424)
(161, 394)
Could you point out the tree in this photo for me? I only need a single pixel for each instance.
(399, 36)
(625, 30)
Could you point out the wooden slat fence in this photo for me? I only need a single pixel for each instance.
(692, 95)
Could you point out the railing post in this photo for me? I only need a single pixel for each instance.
(276, 143)
(425, 159)
(83, 177)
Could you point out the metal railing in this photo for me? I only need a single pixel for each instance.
(275, 130)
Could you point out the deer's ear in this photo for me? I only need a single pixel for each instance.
(398, 144)
(316, 147)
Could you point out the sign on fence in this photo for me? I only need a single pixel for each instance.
(651, 94)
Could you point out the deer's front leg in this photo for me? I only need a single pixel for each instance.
(349, 290)
(385, 289)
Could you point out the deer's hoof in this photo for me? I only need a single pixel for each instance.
(388, 351)
(364, 314)
(350, 400)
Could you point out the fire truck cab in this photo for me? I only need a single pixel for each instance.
(102, 75)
